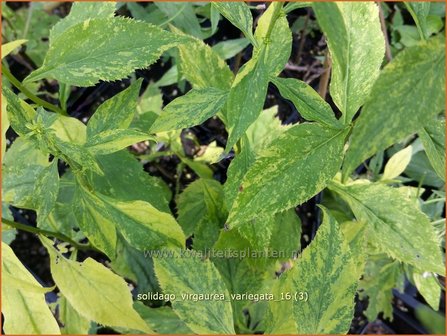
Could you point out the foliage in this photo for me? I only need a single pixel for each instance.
(213, 257)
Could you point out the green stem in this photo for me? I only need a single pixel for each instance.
(57, 235)
(14, 81)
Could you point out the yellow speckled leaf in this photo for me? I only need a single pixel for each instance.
(419, 97)
(189, 274)
(357, 47)
(396, 224)
(327, 271)
(292, 169)
(104, 49)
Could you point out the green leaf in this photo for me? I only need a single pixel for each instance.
(418, 98)
(111, 141)
(100, 230)
(104, 49)
(94, 291)
(19, 184)
(140, 223)
(396, 224)
(239, 15)
(246, 97)
(307, 101)
(5, 125)
(136, 266)
(327, 272)
(73, 322)
(124, 179)
(191, 275)
(357, 47)
(9, 47)
(301, 160)
(189, 110)
(280, 317)
(46, 190)
(380, 277)
(428, 286)
(20, 114)
(162, 320)
(230, 48)
(116, 112)
(80, 12)
(433, 139)
(419, 11)
(273, 33)
(203, 67)
(23, 301)
(183, 17)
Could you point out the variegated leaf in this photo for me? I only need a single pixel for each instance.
(357, 47)
(239, 15)
(202, 66)
(116, 112)
(416, 101)
(80, 12)
(292, 169)
(104, 49)
(94, 291)
(189, 110)
(433, 139)
(23, 301)
(141, 224)
(396, 224)
(192, 275)
(327, 271)
(307, 101)
(111, 141)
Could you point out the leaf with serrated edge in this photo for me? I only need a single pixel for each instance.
(189, 110)
(292, 169)
(80, 12)
(189, 274)
(357, 47)
(24, 308)
(104, 49)
(116, 112)
(418, 98)
(46, 190)
(328, 273)
(94, 291)
(396, 224)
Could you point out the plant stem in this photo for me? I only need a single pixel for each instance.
(324, 79)
(388, 54)
(14, 81)
(57, 235)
